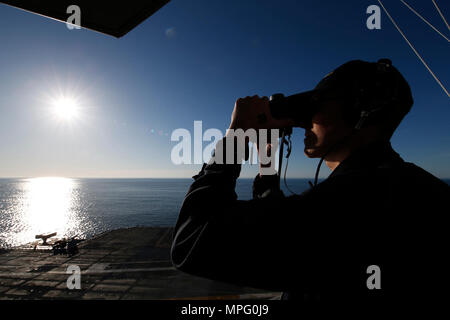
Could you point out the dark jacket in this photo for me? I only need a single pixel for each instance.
(374, 209)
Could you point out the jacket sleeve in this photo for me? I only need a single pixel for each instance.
(266, 186)
(252, 243)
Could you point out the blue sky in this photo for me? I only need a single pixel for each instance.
(191, 61)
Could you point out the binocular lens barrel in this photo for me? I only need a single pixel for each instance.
(298, 107)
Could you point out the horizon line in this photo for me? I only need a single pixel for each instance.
(36, 177)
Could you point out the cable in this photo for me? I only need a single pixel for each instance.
(280, 156)
(316, 176)
(414, 49)
(440, 13)
(426, 21)
(331, 148)
(289, 148)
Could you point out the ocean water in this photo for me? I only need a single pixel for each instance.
(85, 207)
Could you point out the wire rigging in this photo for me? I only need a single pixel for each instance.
(414, 49)
(425, 20)
(440, 13)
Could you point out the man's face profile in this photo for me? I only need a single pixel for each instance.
(326, 128)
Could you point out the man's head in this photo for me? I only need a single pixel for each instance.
(357, 103)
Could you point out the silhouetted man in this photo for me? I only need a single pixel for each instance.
(374, 228)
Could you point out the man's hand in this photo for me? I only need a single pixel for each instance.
(254, 113)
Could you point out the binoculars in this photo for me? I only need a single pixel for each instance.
(298, 107)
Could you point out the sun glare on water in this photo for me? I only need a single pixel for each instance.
(42, 206)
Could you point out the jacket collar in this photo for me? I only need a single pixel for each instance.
(377, 154)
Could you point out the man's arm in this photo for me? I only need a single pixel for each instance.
(270, 242)
(252, 243)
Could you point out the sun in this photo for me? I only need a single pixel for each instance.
(66, 108)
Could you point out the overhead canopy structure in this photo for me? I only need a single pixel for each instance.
(115, 18)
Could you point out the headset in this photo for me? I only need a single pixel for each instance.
(378, 95)
(371, 102)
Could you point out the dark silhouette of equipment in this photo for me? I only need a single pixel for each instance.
(44, 237)
(64, 246)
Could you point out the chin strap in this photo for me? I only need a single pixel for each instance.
(334, 146)
(316, 176)
(286, 140)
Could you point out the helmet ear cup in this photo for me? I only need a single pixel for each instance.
(376, 95)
